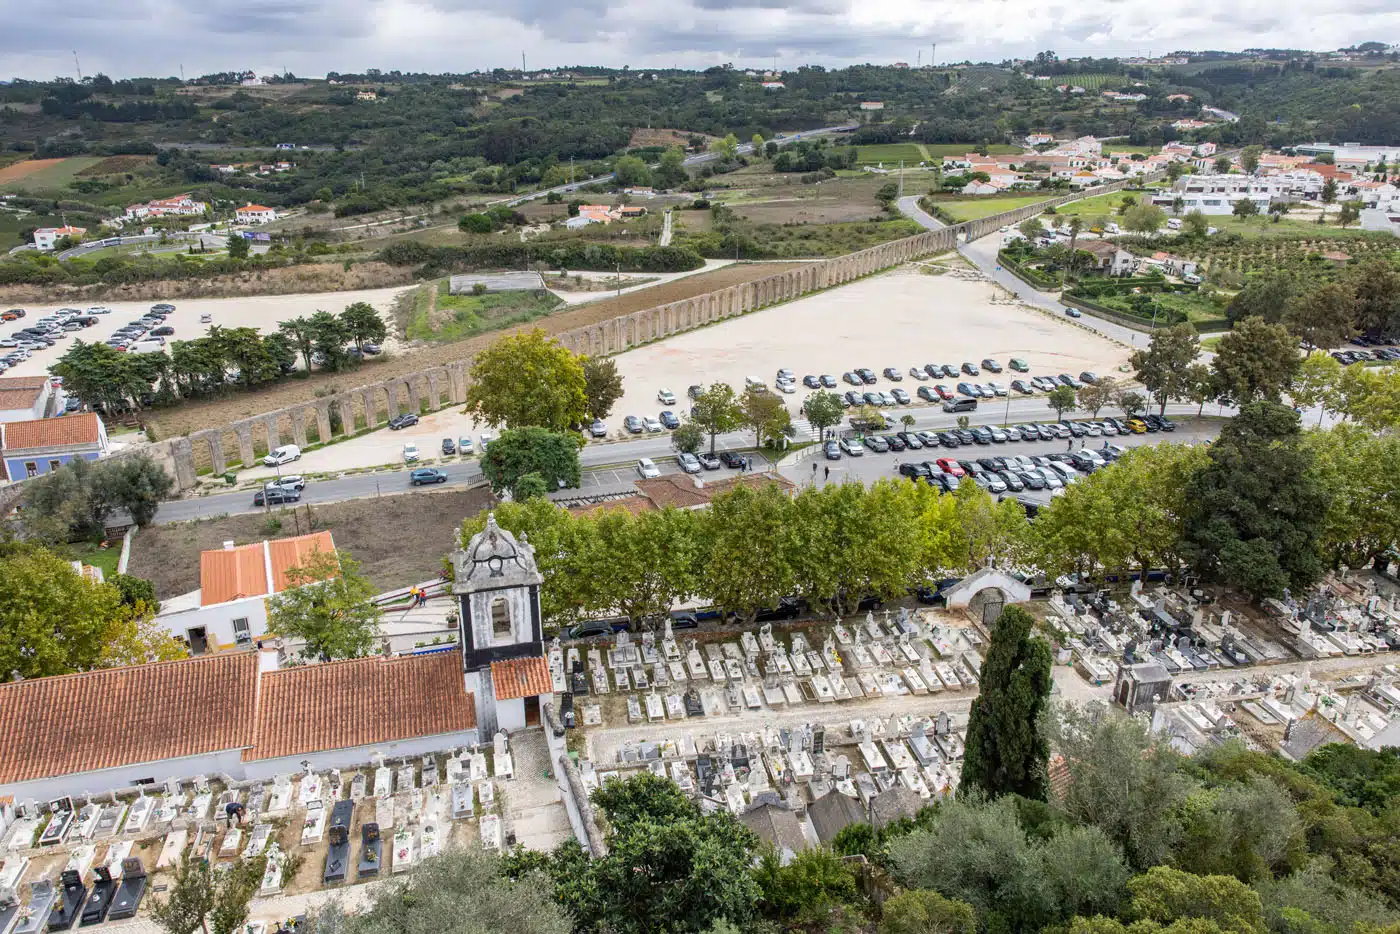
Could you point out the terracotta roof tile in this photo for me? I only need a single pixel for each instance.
(521, 677)
(23, 382)
(360, 702)
(18, 398)
(52, 432)
(232, 574)
(287, 553)
(126, 716)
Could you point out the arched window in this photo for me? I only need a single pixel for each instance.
(500, 619)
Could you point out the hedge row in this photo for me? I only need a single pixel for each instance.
(556, 255)
(1034, 277)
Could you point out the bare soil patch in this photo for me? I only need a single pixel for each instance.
(397, 539)
(661, 136)
(25, 169)
(113, 165)
(288, 280)
(194, 416)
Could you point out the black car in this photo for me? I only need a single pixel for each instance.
(275, 496)
(853, 398)
(893, 374)
(403, 421)
(866, 375)
(163, 331)
(1031, 479)
(427, 475)
(1022, 387)
(449, 446)
(928, 394)
(708, 461)
(850, 377)
(988, 463)
(1076, 429)
(1011, 479)
(669, 420)
(731, 459)
(828, 381)
(911, 440)
(876, 443)
(948, 440)
(1166, 423)
(981, 435)
(915, 471)
(895, 442)
(935, 370)
(946, 483)
(811, 382)
(633, 424)
(964, 436)
(991, 366)
(598, 627)
(971, 369)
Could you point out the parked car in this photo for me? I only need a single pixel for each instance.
(918, 373)
(971, 369)
(293, 482)
(411, 453)
(853, 398)
(991, 366)
(651, 424)
(1089, 377)
(895, 442)
(1022, 387)
(1073, 313)
(828, 381)
(708, 461)
(633, 424)
(852, 447)
(1137, 426)
(832, 451)
(866, 375)
(951, 467)
(598, 429)
(668, 418)
(689, 462)
(948, 440)
(811, 382)
(406, 420)
(427, 475)
(449, 446)
(893, 374)
(928, 394)
(464, 445)
(876, 443)
(901, 396)
(695, 391)
(285, 454)
(274, 496)
(1019, 365)
(910, 439)
(647, 468)
(666, 397)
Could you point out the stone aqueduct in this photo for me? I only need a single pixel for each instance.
(360, 409)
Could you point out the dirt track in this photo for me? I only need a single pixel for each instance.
(18, 170)
(196, 416)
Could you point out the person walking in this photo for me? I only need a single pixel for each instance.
(827, 474)
(1069, 445)
(815, 465)
(413, 596)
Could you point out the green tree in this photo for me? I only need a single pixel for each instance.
(549, 456)
(1375, 291)
(1167, 895)
(1249, 159)
(765, 414)
(237, 248)
(476, 223)
(1245, 208)
(200, 899)
(922, 911)
(886, 193)
(1031, 228)
(689, 438)
(1321, 317)
(363, 325)
(1329, 192)
(602, 385)
(746, 544)
(1062, 399)
(465, 890)
(1349, 214)
(1256, 510)
(1196, 225)
(1256, 360)
(1162, 366)
(328, 338)
(631, 172)
(134, 483)
(1316, 383)
(1006, 753)
(1265, 298)
(717, 411)
(300, 332)
(1144, 219)
(823, 410)
(757, 143)
(646, 562)
(727, 148)
(102, 377)
(327, 605)
(526, 380)
(807, 888)
(1357, 469)
(53, 622)
(1222, 165)
(671, 173)
(1091, 397)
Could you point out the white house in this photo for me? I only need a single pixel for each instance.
(176, 206)
(1376, 219)
(872, 105)
(46, 237)
(980, 188)
(229, 610)
(23, 398)
(252, 213)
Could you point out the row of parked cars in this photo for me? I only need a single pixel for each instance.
(857, 445)
(146, 334)
(1013, 474)
(1348, 357)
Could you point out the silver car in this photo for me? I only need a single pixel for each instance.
(689, 462)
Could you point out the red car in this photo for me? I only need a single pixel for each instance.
(943, 391)
(951, 467)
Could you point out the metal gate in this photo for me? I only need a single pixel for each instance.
(993, 600)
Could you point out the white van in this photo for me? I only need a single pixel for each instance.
(148, 345)
(283, 455)
(1174, 223)
(754, 383)
(410, 453)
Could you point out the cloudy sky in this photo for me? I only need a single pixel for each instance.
(311, 37)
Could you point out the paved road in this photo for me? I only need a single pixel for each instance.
(665, 231)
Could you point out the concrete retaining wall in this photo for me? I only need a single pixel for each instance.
(437, 387)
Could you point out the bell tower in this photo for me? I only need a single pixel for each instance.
(497, 587)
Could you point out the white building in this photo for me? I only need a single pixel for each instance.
(229, 610)
(252, 213)
(46, 237)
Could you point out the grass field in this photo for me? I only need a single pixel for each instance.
(1089, 82)
(1098, 204)
(90, 553)
(55, 175)
(983, 207)
(1192, 304)
(914, 153)
(455, 317)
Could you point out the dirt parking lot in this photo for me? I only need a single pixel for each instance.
(396, 539)
(903, 318)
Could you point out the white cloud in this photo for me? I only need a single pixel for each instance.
(156, 37)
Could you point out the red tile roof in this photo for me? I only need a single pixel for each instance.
(23, 382)
(51, 432)
(521, 677)
(251, 208)
(126, 716)
(341, 705)
(234, 573)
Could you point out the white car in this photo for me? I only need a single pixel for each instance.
(647, 468)
(99, 310)
(666, 397)
(786, 387)
(650, 424)
(486, 438)
(410, 453)
(294, 482)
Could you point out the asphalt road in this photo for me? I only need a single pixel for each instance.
(610, 468)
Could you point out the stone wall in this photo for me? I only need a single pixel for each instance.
(366, 407)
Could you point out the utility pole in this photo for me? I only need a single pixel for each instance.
(933, 56)
(901, 178)
(522, 63)
(78, 66)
